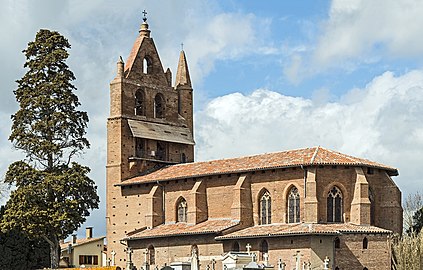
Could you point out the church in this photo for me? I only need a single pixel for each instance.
(310, 208)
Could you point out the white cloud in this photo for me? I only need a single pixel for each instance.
(381, 121)
(359, 29)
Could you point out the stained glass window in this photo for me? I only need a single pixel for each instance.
(334, 205)
(293, 206)
(182, 211)
(266, 208)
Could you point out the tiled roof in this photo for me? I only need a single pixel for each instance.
(292, 158)
(181, 228)
(302, 228)
(81, 241)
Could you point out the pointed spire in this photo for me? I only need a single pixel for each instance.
(182, 73)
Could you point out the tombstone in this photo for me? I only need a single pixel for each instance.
(213, 264)
(129, 264)
(146, 265)
(180, 265)
(266, 259)
(234, 260)
(281, 264)
(113, 253)
(297, 257)
(326, 263)
(166, 267)
(194, 259)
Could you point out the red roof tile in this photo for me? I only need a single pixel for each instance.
(181, 228)
(291, 158)
(81, 241)
(302, 228)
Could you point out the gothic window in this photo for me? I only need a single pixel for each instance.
(264, 249)
(365, 243)
(337, 242)
(293, 206)
(334, 205)
(182, 210)
(159, 106)
(265, 208)
(139, 103)
(235, 247)
(146, 66)
(139, 147)
(151, 255)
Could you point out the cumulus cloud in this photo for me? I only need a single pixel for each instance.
(361, 29)
(381, 121)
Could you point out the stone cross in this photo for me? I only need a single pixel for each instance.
(182, 46)
(248, 246)
(146, 256)
(281, 265)
(213, 264)
(113, 253)
(304, 265)
(266, 259)
(326, 263)
(208, 267)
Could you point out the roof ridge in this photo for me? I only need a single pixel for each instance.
(314, 155)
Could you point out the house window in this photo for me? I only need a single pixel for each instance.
(235, 247)
(266, 208)
(159, 106)
(139, 103)
(293, 206)
(182, 210)
(365, 243)
(337, 242)
(264, 249)
(88, 259)
(334, 205)
(151, 255)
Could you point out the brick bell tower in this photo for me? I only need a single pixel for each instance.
(150, 126)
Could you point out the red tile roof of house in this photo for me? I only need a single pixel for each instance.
(272, 230)
(81, 241)
(182, 228)
(292, 158)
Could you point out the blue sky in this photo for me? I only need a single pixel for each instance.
(267, 75)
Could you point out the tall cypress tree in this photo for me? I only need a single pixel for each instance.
(53, 195)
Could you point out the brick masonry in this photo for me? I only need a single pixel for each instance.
(228, 196)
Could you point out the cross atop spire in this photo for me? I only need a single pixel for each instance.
(182, 46)
(144, 18)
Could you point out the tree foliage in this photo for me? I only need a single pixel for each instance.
(47, 127)
(417, 224)
(18, 252)
(412, 203)
(53, 195)
(407, 252)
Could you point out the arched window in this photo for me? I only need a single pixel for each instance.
(264, 249)
(334, 205)
(151, 255)
(235, 247)
(265, 208)
(182, 210)
(139, 102)
(146, 66)
(372, 207)
(293, 206)
(159, 106)
(365, 243)
(337, 242)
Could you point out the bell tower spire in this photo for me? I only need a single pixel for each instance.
(182, 73)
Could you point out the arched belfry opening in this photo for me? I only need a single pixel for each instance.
(147, 66)
(140, 102)
(159, 106)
